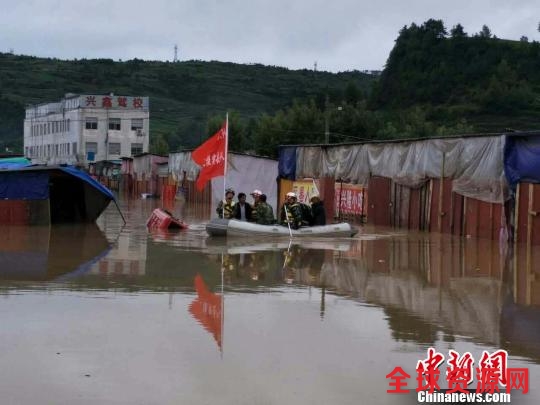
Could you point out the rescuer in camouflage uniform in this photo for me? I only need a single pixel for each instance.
(265, 213)
(225, 208)
(256, 194)
(291, 212)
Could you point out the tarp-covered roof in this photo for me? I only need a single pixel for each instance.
(245, 173)
(522, 158)
(36, 182)
(474, 163)
(13, 162)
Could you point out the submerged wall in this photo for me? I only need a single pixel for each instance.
(454, 185)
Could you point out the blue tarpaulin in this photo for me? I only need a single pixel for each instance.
(287, 162)
(24, 185)
(34, 184)
(85, 177)
(14, 163)
(522, 159)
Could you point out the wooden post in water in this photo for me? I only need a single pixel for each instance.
(439, 222)
(530, 214)
(516, 235)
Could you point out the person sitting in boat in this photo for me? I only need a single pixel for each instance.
(242, 209)
(291, 212)
(265, 213)
(318, 214)
(256, 194)
(225, 208)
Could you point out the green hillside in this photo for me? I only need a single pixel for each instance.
(436, 82)
(491, 82)
(183, 95)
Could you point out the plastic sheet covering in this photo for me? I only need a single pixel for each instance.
(147, 164)
(14, 163)
(244, 174)
(287, 162)
(475, 164)
(24, 185)
(86, 178)
(522, 159)
(142, 165)
(181, 162)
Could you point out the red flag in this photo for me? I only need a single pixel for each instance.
(211, 157)
(207, 309)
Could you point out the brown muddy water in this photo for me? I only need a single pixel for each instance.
(113, 314)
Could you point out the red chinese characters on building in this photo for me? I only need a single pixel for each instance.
(122, 101)
(106, 102)
(348, 199)
(137, 102)
(302, 194)
(428, 372)
(91, 101)
(460, 373)
(397, 376)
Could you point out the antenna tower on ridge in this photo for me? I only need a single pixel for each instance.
(175, 53)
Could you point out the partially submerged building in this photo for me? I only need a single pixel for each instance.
(83, 128)
(245, 173)
(453, 185)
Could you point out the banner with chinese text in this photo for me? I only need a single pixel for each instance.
(304, 190)
(349, 199)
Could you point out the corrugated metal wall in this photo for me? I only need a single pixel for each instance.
(432, 207)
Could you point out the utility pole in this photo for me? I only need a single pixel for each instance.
(326, 123)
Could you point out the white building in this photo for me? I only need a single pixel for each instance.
(85, 128)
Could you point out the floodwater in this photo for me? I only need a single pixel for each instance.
(113, 314)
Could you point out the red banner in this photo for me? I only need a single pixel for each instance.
(207, 309)
(348, 199)
(211, 157)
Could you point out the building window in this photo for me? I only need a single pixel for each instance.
(91, 147)
(68, 124)
(136, 123)
(91, 123)
(136, 149)
(114, 148)
(74, 148)
(114, 124)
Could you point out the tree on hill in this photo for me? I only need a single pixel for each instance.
(485, 32)
(458, 31)
(493, 83)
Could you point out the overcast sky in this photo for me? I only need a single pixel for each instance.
(339, 35)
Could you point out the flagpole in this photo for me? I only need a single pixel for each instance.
(222, 305)
(226, 152)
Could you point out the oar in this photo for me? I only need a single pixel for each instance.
(287, 219)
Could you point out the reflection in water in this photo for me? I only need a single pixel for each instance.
(207, 309)
(427, 285)
(46, 253)
(380, 293)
